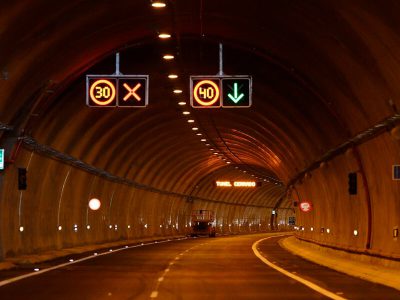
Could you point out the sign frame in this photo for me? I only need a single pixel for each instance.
(117, 100)
(220, 78)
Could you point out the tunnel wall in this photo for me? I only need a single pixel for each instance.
(341, 213)
(57, 194)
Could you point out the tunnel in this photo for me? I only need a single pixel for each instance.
(320, 138)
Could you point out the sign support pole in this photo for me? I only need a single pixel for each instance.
(221, 60)
(117, 72)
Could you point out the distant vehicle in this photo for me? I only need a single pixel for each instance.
(202, 223)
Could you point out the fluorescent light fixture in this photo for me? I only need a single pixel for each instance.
(199, 134)
(203, 140)
(172, 76)
(182, 103)
(190, 121)
(195, 128)
(186, 112)
(177, 91)
(164, 35)
(158, 4)
(168, 56)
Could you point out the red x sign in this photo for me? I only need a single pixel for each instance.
(132, 92)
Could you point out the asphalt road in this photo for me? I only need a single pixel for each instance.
(203, 268)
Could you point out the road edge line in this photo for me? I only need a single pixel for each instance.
(303, 281)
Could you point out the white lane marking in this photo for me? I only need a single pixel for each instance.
(307, 283)
(154, 294)
(35, 273)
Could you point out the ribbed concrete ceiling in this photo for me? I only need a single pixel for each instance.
(319, 69)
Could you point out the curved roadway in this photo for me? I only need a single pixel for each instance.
(202, 268)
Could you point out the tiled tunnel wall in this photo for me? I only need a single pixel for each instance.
(52, 213)
(343, 214)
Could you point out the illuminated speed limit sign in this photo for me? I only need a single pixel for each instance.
(102, 92)
(205, 93)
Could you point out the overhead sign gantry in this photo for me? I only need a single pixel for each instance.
(214, 91)
(117, 90)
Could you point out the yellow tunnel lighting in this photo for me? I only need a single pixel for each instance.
(164, 35)
(158, 4)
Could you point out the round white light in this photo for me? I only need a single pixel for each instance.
(94, 204)
(355, 232)
(21, 228)
(60, 228)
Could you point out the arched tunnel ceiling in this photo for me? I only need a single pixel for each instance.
(321, 72)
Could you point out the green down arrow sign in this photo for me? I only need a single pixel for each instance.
(235, 97)
(236, 91)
